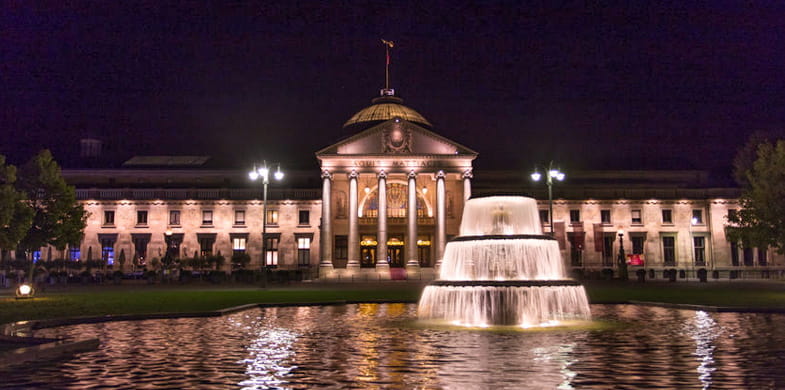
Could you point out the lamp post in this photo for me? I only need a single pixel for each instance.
(622, 260)
(550, 174)
(263, 173)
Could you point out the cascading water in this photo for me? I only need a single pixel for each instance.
(502, 270)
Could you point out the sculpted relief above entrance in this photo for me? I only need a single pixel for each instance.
(397, 139)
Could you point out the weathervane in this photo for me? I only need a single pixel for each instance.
(387, 91)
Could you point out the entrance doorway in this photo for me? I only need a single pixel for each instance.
(395, 255)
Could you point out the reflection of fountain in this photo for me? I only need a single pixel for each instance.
(502, 270)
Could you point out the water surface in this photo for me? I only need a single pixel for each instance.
(383, 346)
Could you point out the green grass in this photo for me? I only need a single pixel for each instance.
(106, 300)
(739, 294)
(160, 300)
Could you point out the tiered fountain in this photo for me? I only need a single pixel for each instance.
(502, 270)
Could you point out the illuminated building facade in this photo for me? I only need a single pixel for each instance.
(388, 198)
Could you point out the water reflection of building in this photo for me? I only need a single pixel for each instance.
(390, 196)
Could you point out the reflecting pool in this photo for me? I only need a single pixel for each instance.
(384, 346)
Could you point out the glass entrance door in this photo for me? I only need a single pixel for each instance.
(368, 256)
(395, 255)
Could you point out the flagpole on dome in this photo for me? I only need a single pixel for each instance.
(387, 91)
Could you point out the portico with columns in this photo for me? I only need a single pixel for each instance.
(393, 194)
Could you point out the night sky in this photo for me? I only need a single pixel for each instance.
(627, 85)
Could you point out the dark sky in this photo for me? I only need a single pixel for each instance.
(625, 85)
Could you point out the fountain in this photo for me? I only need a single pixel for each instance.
(502, 270)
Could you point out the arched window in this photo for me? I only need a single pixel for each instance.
(397, 202)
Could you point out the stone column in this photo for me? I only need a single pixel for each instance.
(467, 184)
(441, 234)
(412, 264)
(326, 238)
(381, 231)
(354, 233)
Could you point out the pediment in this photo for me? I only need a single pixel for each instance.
(396, 137)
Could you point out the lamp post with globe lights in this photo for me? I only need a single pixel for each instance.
(550, 174)
(263, 173)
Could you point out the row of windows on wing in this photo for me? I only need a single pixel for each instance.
(304, 217)
(636, 216)
(206, 245)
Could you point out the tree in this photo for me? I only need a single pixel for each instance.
(16, 216)
(58, 219)
(761, 220)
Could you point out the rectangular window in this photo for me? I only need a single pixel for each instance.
(544, 216)
(762, 257)
(697, 217)
(107, 251)
(36, 256)
(272, 251)
(575, 216)
(341, 248)
(141, 217)
(699, 247)
(238, 244)
(239, 217)
(206, 245)
(174, 217)
(748, 257)
(207, 217)
(304, 217)
(605, 216)
(272, 217)
(637, 244)
(667, 216)
(109, 217)
(74, 254)
(669, 250)
(734, 254)
(732, 213)
(636, 216)
(303, 251)
(607, 250)
(140, 250)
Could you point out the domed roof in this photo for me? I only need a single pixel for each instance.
(383, 109)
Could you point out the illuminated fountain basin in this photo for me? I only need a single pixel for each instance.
(502, 270)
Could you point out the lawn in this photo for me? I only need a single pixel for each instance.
(107, 300)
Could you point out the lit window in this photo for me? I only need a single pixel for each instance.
(238, 244)
(74, 254)
(239, 217)
(207, 217)
(109, 217)
(272, 217)
(636, 216)
(174, 217)
(107, 251)
(303, 251)
(697, 217)
(272, 251)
